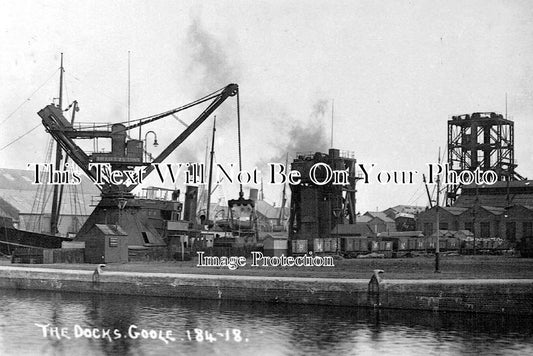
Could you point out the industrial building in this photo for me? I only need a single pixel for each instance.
(404, 216)
(317, 209)
(271, 217)
(513, 222)
(476, 142)
(484, 141)
(28, 205)
(378, 221)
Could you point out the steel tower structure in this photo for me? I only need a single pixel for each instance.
(483, 140)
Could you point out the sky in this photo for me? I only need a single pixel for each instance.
(394, 72)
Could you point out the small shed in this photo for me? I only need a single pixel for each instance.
(106, 244)
(275, 245)
(179, 247)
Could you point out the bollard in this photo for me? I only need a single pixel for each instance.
(373, 288)
(96, 274)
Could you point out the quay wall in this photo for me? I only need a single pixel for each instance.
(509, 296)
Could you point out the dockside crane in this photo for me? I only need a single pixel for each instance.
(124, 153)
(145, 222)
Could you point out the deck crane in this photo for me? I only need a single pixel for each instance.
(124, 153)
(145, 221)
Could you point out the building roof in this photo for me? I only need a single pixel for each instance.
(494, 210)
(380, 215)
(444, 233)
(405, 215)
(528, 207)
(500, 194)
(363, 218)
(463, 233)
(269, 211)
(502, 184)
(401, 234)
(499, 200)
(358, 228)
(403, 209)
(111, 229)
(16, 188)
(453, 209)
(7, 210)
(16, 179)
(276, 236)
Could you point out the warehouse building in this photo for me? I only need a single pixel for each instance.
(503, 210)
(378, 221)
(29, 205)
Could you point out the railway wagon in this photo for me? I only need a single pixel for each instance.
(404, 241)
(378, 245)
(331, 245)
(417, 244)
(486, 245)
(526, 247)
(399, 244)
(326, 245)
(445, 244)
(431, 243)
(373, 244)
(318, 245)
(353, 246)
(299, 247)
(453, 244)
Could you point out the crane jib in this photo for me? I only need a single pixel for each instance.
(64, 133)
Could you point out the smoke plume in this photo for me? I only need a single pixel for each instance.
(311, 135)
(268, 131)
(211, 66)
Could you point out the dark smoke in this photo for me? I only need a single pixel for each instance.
(311, 135)
(294, 136)
(210, 64)
(210, 68)
(289, 136)
(214, 64)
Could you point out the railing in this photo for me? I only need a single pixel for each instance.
(347, 154)
(311, 155)
(305, 155)
(86, 126)
(95, 199)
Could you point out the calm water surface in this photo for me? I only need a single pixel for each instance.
(243, 328)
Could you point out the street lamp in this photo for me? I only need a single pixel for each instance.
(146, 143)
(337, 213)
(437, 248)
(121, 205)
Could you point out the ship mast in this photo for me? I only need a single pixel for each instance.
(212, 153)
(281, 217)
(56, 202)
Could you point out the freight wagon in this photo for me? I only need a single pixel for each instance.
(398, 244)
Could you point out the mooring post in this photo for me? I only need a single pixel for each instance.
(373, 288)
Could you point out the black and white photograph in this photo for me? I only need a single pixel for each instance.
(266, 177)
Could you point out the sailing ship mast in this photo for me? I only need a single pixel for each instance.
(212, 153)
(283, 197)
(56, 202)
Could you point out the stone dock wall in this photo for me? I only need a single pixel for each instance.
(510, 296)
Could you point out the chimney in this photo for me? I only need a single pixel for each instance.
(253, 194)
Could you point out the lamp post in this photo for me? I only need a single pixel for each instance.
(121, 205)
(146, 143)
(337, 213)
(437, 247)
(474, 228)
